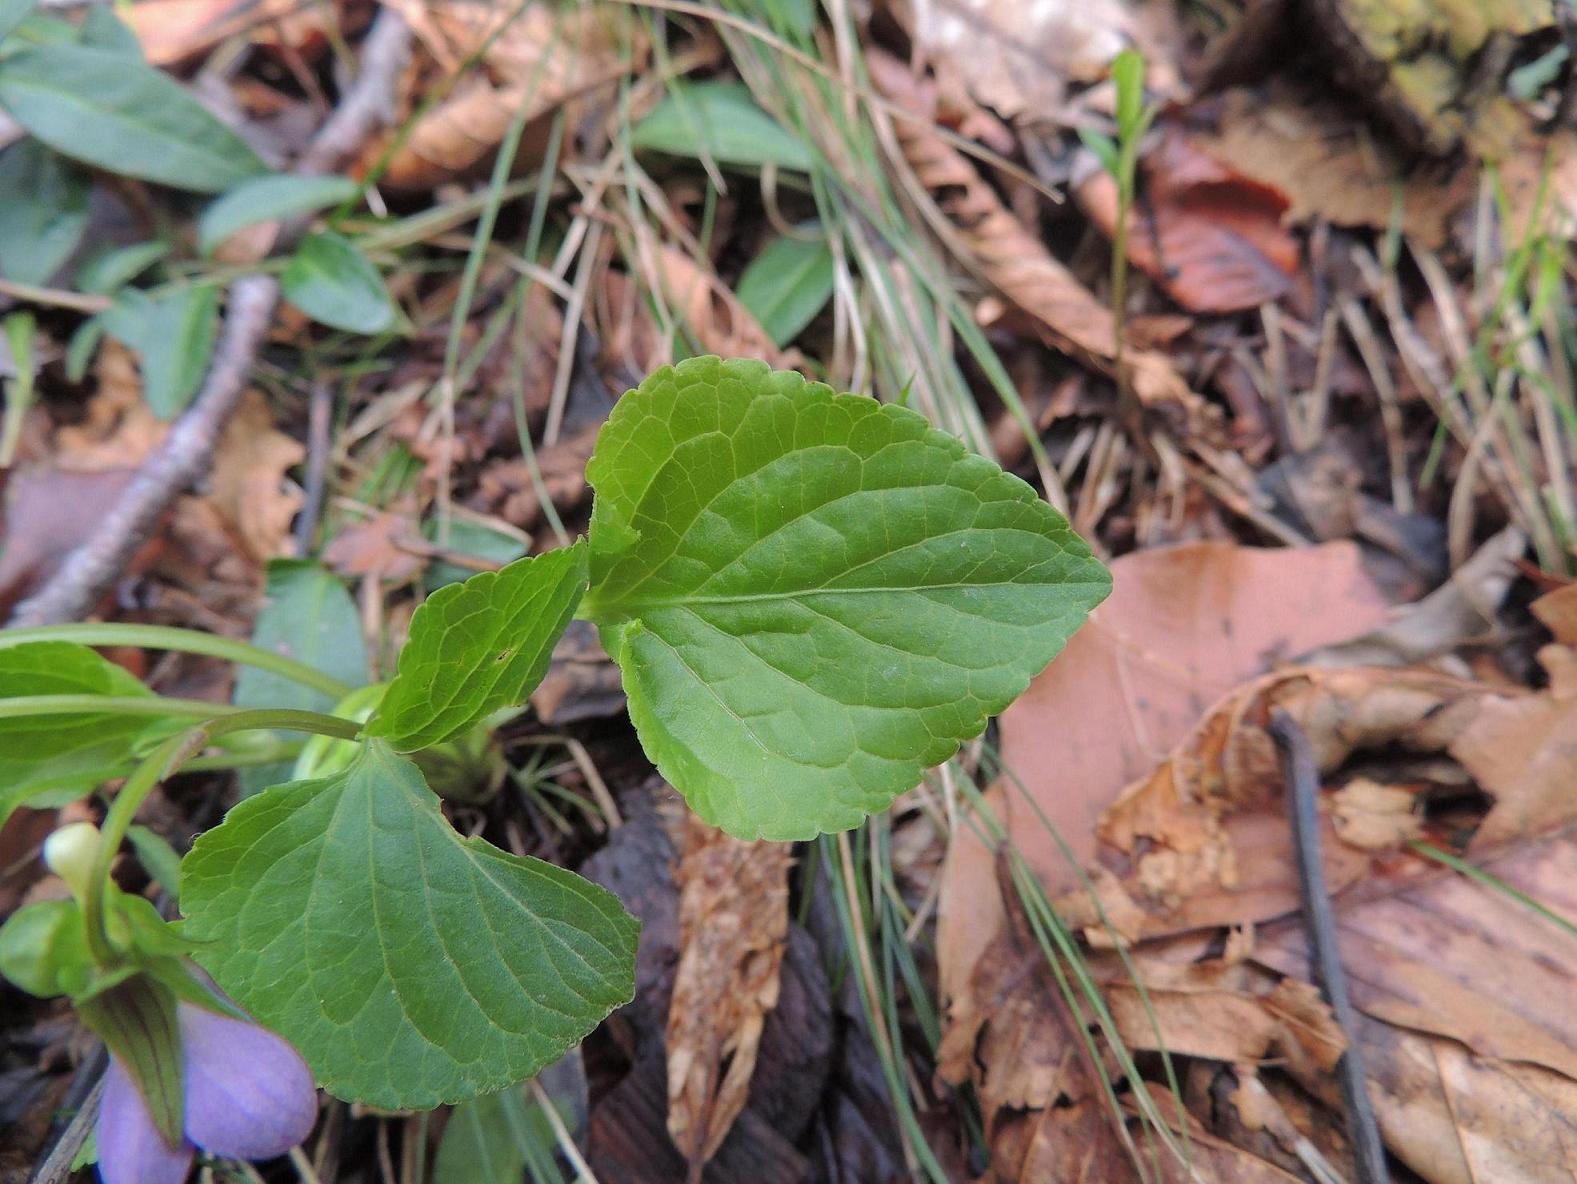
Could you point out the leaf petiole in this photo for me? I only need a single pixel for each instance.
(186, 641)
(151, 705)
(162, 763)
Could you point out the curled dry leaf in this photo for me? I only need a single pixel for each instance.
(986, 236)
(171, 31)
(536, 56)
(733, 922)
(1323, 159)
(250, 484)
(1557, 611)
(1183, 627)
(1019, 59)
(720, 323)
(1210, 236)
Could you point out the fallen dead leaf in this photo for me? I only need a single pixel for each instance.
(1210, 236)
(250, 484)
(372, 548)
(1330, 166)
(537, 57)
(171, 31)
(1018, 60)
(1557, 611)
(733, 922)
(710, 310)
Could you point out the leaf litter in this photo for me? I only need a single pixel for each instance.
(1269, 200)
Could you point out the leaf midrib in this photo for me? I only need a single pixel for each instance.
(638, 608)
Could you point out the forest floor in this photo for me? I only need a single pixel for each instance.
(1320, 417)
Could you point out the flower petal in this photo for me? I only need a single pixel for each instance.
(249, 1095)
(131, 1150)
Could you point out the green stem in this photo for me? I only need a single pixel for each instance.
(27, 705)
(186, 641)
(163, 762)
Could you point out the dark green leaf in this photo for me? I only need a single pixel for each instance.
(332, 282)
(814, 597)
(409, 965)
(470, 538)
(173, 335)
(264, 199)
(102, 29)
(489, 1139)
(108, 273)
(37, 749)
(158, 859)
(787, 285)
(122, 115)
(479, 646)
(43, 211)
(306, 615)
(83, 345)
(44, 949)
(719, 121)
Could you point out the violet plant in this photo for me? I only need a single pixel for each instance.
(812, 598)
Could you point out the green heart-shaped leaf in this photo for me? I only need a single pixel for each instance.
(409, 965)
(814, 597)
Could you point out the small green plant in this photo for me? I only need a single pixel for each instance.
(89, 101)
(1120, 158)
(812, 597)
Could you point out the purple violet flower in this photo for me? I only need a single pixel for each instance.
(249, 1095)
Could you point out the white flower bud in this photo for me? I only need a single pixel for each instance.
(70, 853)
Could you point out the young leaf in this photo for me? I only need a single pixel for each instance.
(479, 646)
(108, 273)
(787, 284)
(59, 747)
(264, 199)
(173, 336)
(113, 111)
(306, 615)
(1128, 77)
(410, 966)
(719, 120)
(43, 211)
(814, 597)
(332, 282)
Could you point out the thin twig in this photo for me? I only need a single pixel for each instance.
(185, 454)
(182, 457)
(1302, 790)
(320, 411)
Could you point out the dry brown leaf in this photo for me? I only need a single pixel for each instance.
(720, 323)
(372, 548)
(1557, 611)
(1210, 236)
(989, 239)
(1045, 1118)
(1323, 158)
(733, 922)
(118, 431)
(250, 484)
(173, 30)
(1523, 752)
(1183, 627)
(543, 58)
(1017, 59)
